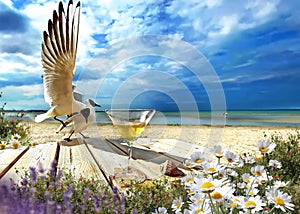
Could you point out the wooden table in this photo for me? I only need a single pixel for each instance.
(96, 157)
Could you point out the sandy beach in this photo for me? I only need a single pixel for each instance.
(238, 139)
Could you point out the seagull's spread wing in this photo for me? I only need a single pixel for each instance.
(59, 49)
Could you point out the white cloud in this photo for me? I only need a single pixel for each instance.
(262, 9)
(8, 3)
(226, 25)
(31, 90)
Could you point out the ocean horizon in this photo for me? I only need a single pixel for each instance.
(272, 117)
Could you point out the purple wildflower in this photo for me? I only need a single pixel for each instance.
(96, 203)
(52, 171)
(51, 207)
(47, 195)
(59, 176)
(58, 209)
(12, 185)
(41, 168)
(33, 175)
(86, 194)
(24, 182)
(122, 204)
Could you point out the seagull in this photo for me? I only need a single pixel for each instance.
(59, 48)
(79, 121)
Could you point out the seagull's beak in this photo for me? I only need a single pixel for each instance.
(97, 105)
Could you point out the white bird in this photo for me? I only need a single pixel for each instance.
(59, 50)
(81, 120)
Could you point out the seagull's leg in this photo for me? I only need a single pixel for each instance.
(85, 137)
(68, 139)
(62, 122)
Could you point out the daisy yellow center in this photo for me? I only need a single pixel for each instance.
(211, 170)
(263, 181)
(216, 195)
(258, 173)
(15, 144)
(230, 160)
(233, 205)
(279, 201)
(250, 204)
(207, 187)
(178, 205)
(247, 180)
(190, 180)
(201, 201)
(199, 211)
(189, 164)
(264, 149)
(219, 153)
(198, 160)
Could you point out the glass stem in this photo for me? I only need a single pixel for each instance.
(129, 155)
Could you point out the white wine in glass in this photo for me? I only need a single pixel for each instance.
(130, 123)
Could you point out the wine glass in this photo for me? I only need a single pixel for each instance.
(130, 123)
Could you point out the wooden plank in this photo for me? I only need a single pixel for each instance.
(9, 157)
(76, 157)
(110, 159)
(140, 152)
(40, 155)
(161, 150)
(171, 147)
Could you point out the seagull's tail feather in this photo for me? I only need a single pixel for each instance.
(41, 117)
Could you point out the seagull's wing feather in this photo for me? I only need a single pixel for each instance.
(59, 49)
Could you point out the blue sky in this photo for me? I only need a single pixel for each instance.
(141, 53)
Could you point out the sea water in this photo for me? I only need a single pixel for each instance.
(229, 118)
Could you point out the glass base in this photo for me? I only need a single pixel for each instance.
(126, 176)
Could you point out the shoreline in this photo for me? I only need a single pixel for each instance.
(238, 139)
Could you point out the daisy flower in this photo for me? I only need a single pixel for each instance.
(275, 164)
(206, 185)
(265, 146)
(265, 178)
(234, 202)
(14, 143)
(16, 137)
(161, 210)
(211, 167)
(258, 170)
(249, 160)
(253, 191)
(198, 158)
(222, 173)
(231, 172)
(253, 204)
(2, 145)
(222, 192)
(177, 204)
(188, 180)
(247, 178)
(198, 198)
(241, 185)
(280, 200)
(198, 209)
(231, 157)
(189, 163)
(280, 184)
(218, 151)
